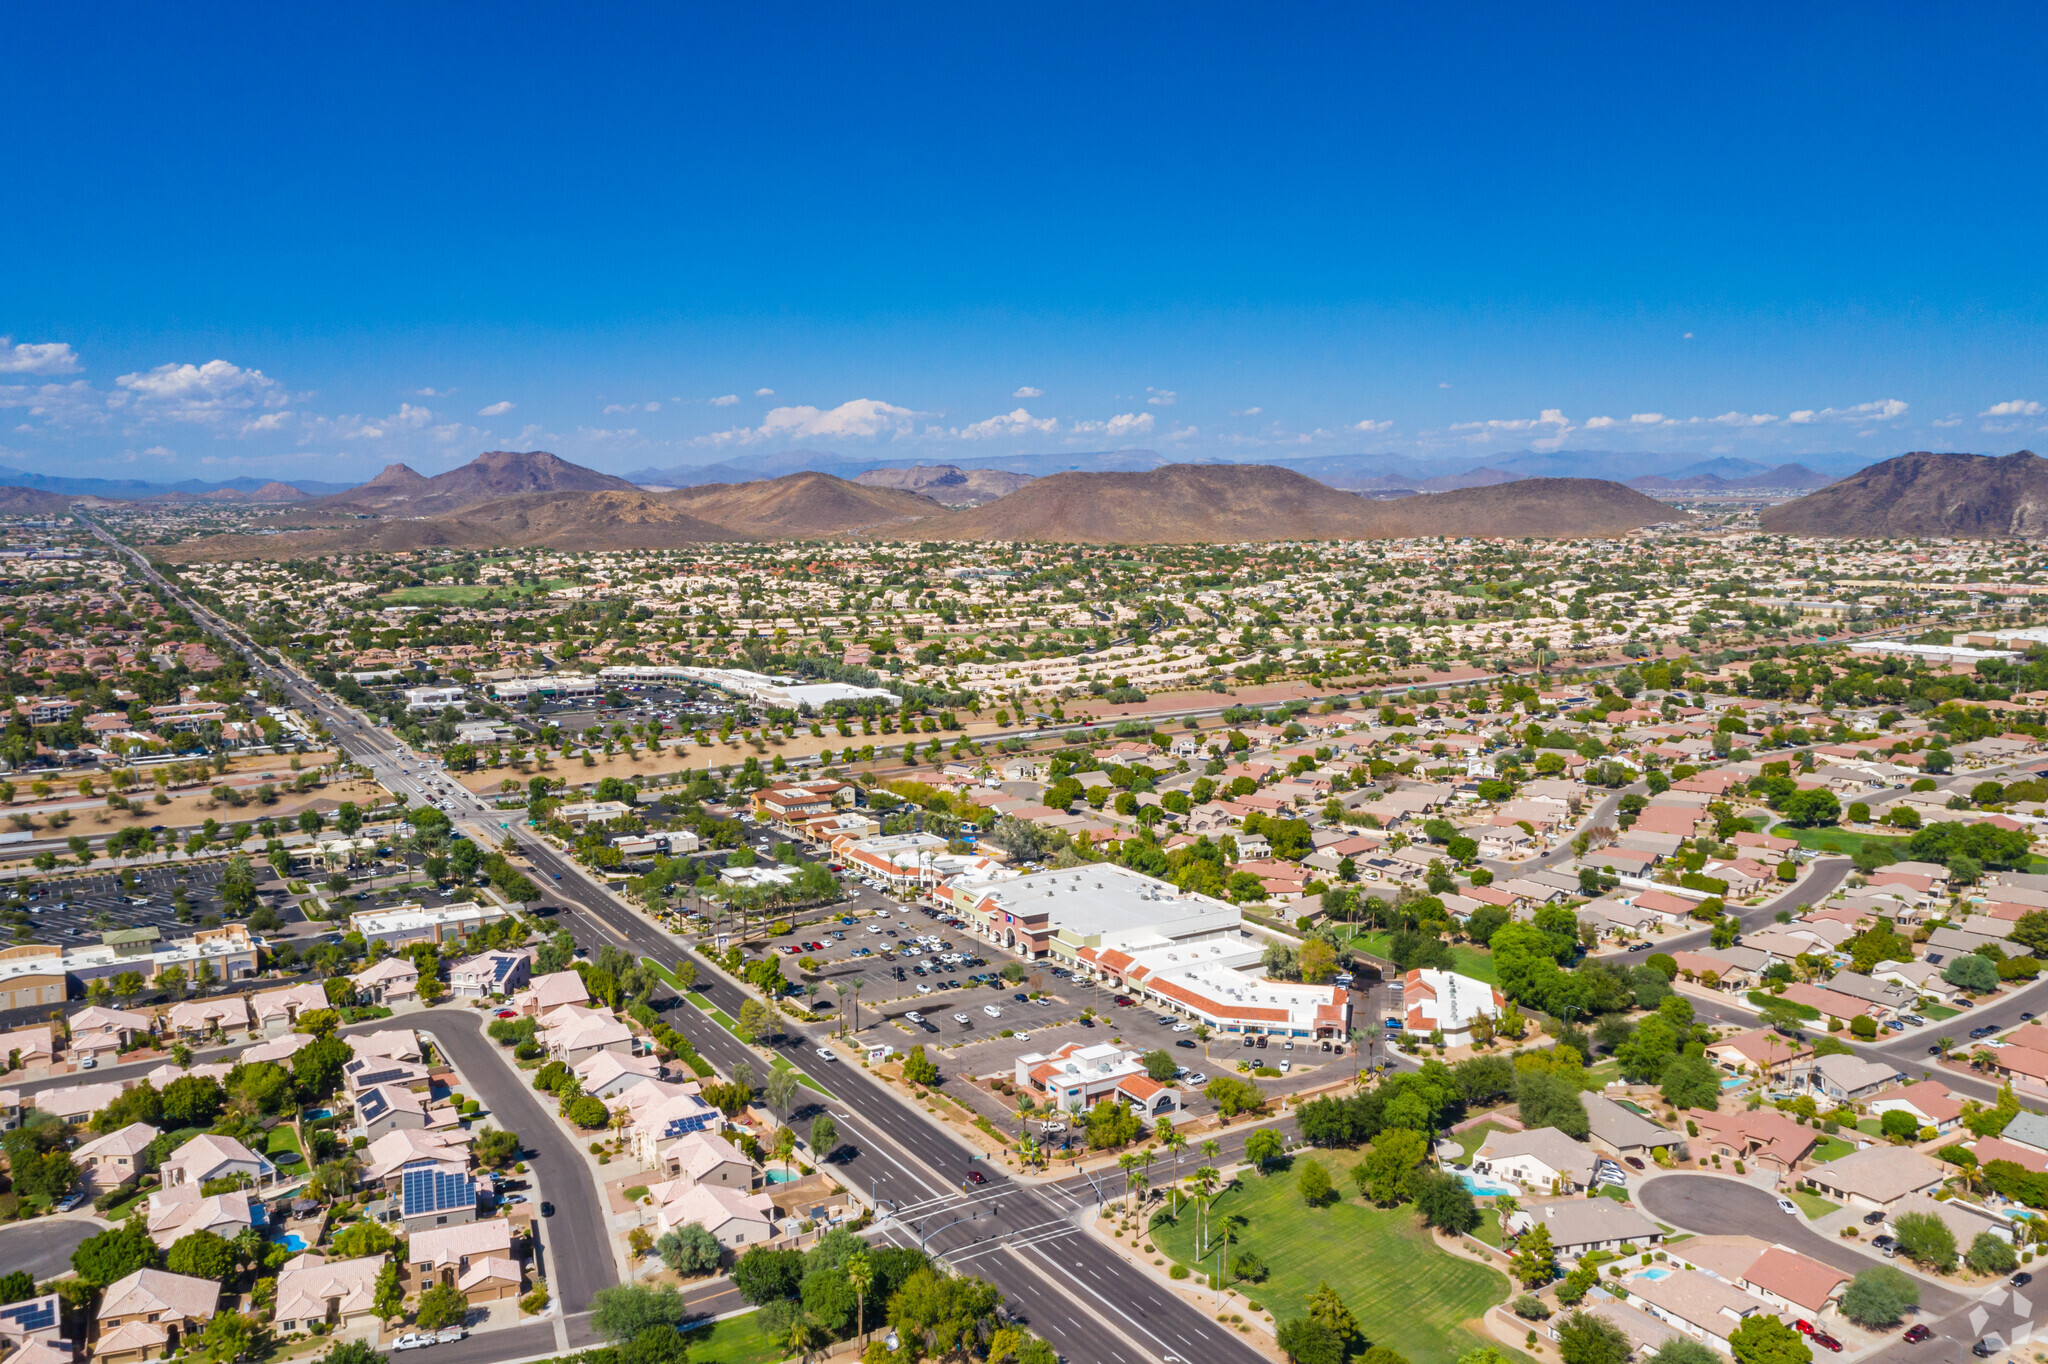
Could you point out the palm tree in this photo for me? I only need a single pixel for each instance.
(1945, 1043)
(1176, 1143)
(860, 1277)
(1127, 1162)
(1206, 1180)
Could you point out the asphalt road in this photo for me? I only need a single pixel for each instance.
(43, 1247)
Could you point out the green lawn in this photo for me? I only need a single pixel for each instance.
(1837, 842)
(1407, 1294)
(806, 1081)
(282, 1138)
(1830, 1148)
(1466, 959)
(1469, 1141)
(1812, 1204)
(736, 1340)
(1488, 1229)
(1939, 1012)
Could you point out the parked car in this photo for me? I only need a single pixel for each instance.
(1195, 1079)
(1803, 1327)
(1827, 1342)
(1184, 1042)
(2021, 1279)
(1786, 1205)
(412, 1341)
(1917, 1333)
(1872, 1219)
(1993, 1344)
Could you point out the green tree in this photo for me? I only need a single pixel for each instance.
(360, 1239)
(388, 1299)
(440, 1305)
(496, 1148)
(1535, 1257)
(1990, 1255)
(824, 1137)
(689, 1249)
(918, 1068)
(1263, 1147)
(1327, 1309)
(111, 1255)
(1583, 1338)
(202, 1255)
(1160, 1065)
(1304, 1341)
(1926, 1239)
(1686, 1350)
(1880, 1296)
(623, 1311)
(1767, 1340)
(1968, 971)
(1313, 1183)
(1692, 1082)
(1395, 1152)
(1551, 1099)
(656, 1345)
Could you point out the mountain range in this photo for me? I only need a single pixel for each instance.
(1786, 477)
(947, 484)
(535, 498)
(1926, 494)
(139, 490)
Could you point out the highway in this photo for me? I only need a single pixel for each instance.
(1025, 1238)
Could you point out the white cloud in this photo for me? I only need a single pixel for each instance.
(406, 418)
(72, 403)
(1248, 412)
(497, 409)
(432, 392)
(1884, 409)
(1946, 421)
(1161, 397)
(857, 419)
(37, 357)
(208, 394)
(1445, 384)
(1646, 418)
(1028, 392)
(1688, 336)
(269, 421)
(1017, 423)
(727, 401)
(764, 393)
(2018, 407)
(1599, 423)
(1552, 416)
(1743, 419)
(1370, 425)
(1127, 424)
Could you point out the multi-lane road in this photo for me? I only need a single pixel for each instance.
(1024, 1237)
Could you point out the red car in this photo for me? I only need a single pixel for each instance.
(1822, 1338)
(505, 1013)
(976, 1177)
(1803, 1327)
(1916, 1334)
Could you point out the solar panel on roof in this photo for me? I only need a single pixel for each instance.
(37, 1314)
(427, 1191)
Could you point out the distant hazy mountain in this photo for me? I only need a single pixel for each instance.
(751, 468)
(1924, 494)
(1793, 477)
(133, 489)
(947, 484)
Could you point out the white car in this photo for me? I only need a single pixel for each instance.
(1194, 1079)
(962, 1018)
(410, 1341)
(1053, 1127)
(1183, 1027)
(1022, 1036)
(825, 1054)
(914, 1016)
(1786, 1205)
(1285, 1066)
(922, 989)
(992, 1011)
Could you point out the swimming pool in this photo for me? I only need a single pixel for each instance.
(1658, 1273)
(315, 1114)
(291, 1241)
(1734, 1082)
(1482, 1185)
(779, 1176)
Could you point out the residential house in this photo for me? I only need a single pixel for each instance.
(149, 1314)
(279, 1050)
(1763, 1050)
(386, 1159)
(1703, 1307)
(277, 1010)
(178, 1212)
(209, 1156)
(707, 1158)
(1794, 1283)
(313, 1291)
(27, 1047)
(735, 1218)
(1541, 1159)
(547, 993)
(1762, 1136)
(446, 1255)
(1621, 1131)
(489, 973)
(394, 980)
(1877, 1176)
(100, 1031)
(1845, 1079)
(1445, 1001)
(607, 1073)
(75, 1104)
(571, 1034)
(111, 1160)
(222, 1015)
(38, 1319)
(383, 1109)
(1584, 1225)
(431, 1197)
(2028, 1129)
(1929, 1101)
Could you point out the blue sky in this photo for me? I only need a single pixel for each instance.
(305, 245)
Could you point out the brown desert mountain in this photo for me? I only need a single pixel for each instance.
(1923, 494)
(33, 502)
(566, 520)
(947, 484)
(1228, 503)
(401, 491)
(801, 506)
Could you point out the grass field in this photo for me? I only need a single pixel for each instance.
(469, 594)
(1466, 959)
(736, 1340)
(1470, 1141)
(1812, 1204)
(1407, 1294)
(1835, 841)
(282, 1138)
(1830, 1148)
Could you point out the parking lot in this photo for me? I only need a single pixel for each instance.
(680, 711)
(172, 899)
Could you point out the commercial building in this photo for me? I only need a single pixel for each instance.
(1444, 1001)
(402, 925)
(1078, 1075)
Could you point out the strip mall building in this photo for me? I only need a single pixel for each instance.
(1184, 953)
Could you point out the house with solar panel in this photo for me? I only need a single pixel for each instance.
(382, 1109)
(436, 1196)
(383, 1072)
(34, 1319)
(489, 973)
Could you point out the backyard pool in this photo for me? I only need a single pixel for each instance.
(1483, 1186)
(291, 1241)
(1734, 1082)
(1651, 1274)
(780, 1176)
(314, 1114)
